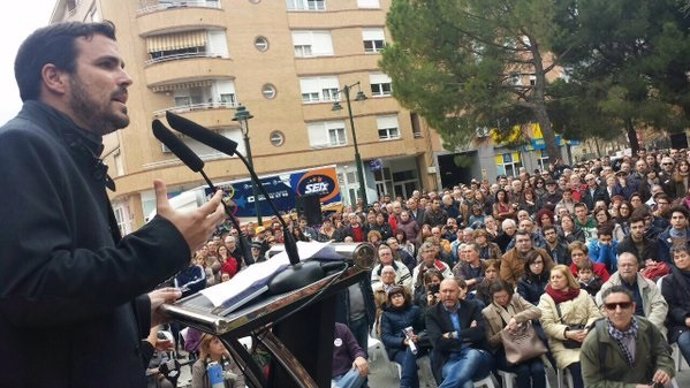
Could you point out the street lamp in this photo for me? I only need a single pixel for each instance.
(243, 116)
(358, 158)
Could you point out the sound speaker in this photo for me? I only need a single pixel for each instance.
(679, 140)
(309, 206)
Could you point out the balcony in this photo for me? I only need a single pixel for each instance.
(172, 15)
(176, 69)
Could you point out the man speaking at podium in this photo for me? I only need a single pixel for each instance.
(71, 314)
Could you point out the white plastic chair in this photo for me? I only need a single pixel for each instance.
(508, 379)
(488, 382)
(568, 377)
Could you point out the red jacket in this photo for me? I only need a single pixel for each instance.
(599, 269)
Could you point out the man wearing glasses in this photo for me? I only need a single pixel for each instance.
(625, 348)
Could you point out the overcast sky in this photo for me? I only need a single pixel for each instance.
(17, 21)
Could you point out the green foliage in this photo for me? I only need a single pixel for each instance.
(455, 61)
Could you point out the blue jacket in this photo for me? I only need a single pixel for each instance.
(604, 254)
(665, 244)
(394, 321)
(532, 287)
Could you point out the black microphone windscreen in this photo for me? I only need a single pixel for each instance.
(184, 153)
(201, 134)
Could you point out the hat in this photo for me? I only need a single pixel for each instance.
(257, 245)
(259, 229)
(621, 172)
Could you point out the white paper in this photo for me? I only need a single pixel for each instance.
(257, 273)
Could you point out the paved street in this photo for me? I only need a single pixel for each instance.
(385, 375)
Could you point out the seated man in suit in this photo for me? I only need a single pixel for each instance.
(456, 330)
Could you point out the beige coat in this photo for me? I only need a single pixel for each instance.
(518, 308)
(581, 310)
(653, 303)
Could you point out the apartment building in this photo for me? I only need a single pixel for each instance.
(287, 62)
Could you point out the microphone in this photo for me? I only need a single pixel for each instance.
(184, 153)
(299, 274)
(201, 134)
(194, 162)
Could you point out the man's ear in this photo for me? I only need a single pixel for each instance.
(54, 79)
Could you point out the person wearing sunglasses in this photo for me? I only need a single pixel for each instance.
(625, 348)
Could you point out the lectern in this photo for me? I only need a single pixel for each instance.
(296, 327)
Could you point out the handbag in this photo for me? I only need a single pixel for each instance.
(570, 343)
(522, 344)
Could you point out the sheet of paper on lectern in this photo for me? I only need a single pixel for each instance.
(256, 276)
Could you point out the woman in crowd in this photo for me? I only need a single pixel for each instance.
(403, 345)
(424, 233)
(509, 228)
(544, 217)
(428, 294)
(503, 208)
(580, 253)
(326, 232)
(624, 213)
(211, 349)
(681, 179)
(637, 202)
(491, 272)
(604, 219)
(571, 232)
(492, 228)
(535, 279)
(506, 312)
(676, 290)
(529, 202)
(374, 238)
(539, 187)
(408, 226)
(229, 264)
(567, 314)
(405, 243)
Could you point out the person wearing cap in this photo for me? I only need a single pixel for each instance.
(553, 195)
(257, 252)
(402, 345)
(622, 187)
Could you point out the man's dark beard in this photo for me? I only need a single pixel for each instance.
(94, 116)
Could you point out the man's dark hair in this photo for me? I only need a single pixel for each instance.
(616, 289)
(605, 230)
(637, 217)
(548, 227)
(523, 232)
(52, 44)
(678, 209)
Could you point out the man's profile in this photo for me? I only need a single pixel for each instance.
(73, 303)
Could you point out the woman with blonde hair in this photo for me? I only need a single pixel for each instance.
(567, 312)
(211, 349)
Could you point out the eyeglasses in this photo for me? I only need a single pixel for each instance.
(622, 305)
(666, 164)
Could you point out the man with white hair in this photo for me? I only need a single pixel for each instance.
(386, 258)
(594, 192)
(649, 302)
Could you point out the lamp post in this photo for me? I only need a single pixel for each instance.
(358, 158)
(243, 116)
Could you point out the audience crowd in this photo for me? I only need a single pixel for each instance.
(459, 266)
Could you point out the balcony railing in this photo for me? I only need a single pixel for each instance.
(194, 107)
(175, 57)
(162, 5)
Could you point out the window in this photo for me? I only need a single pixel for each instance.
(543, 160)
(319, 89)
(508, 163)
(123, 220)
(228, 99)
(327, 134)
(277, 138)
(119, 167)
(388, 127)
(306, 5)
(374, 40)
(416, 126)
(261, 43)
(269, 91)
(380, 85)
(368, 4)
(312, 43)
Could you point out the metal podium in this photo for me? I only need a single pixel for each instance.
(295, 327)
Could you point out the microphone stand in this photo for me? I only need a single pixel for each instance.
(298, 274)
